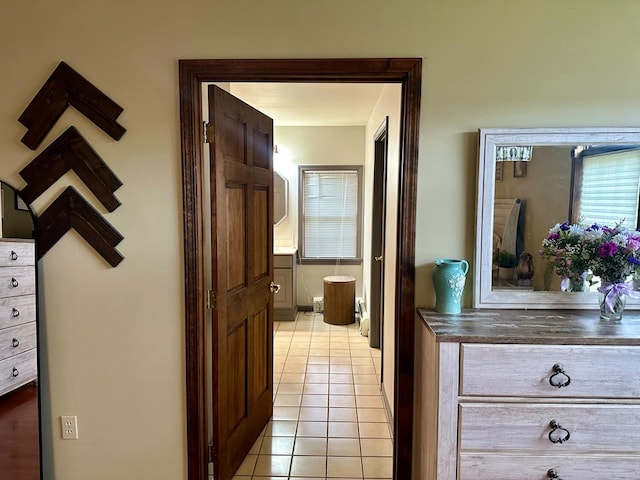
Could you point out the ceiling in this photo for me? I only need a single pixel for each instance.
(311, 104)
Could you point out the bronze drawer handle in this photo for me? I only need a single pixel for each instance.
(15, 372)
(551, 473)
(558, 434)
(559, 372)
(15, 313)
(15, 343)
(14, 283)
(14, 255)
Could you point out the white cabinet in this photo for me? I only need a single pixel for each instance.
(18, 335)
(527, 395)
(284, 274)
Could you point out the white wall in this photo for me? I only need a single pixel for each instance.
(116, 335)
(314, 146)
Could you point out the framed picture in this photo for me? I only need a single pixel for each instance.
(20, 203)
(519, 169)
(499, 169)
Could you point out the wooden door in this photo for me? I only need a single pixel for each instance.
(241, 168)
(378, 226)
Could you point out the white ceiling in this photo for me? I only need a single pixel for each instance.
(311, 104)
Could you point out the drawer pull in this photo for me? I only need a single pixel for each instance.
(560, 373)
(15, 313)
(15, 343)
(558, 434)
(551, 473)
(14, 255)
(14, 283)
(15, 372)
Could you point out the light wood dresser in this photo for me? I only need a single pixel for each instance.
(18, 335)
(514, 394)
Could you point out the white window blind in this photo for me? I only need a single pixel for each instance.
(330, 213)
(610, 188)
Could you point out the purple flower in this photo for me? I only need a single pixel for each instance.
(553, 236)
(633, 244)
(565, 226)
(607, 249)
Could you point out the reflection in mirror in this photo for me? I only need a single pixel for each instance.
(19, 395)
(280, 198)
(574, 175)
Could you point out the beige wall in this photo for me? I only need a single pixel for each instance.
(314, 146)
(115, 353)
(388, 105)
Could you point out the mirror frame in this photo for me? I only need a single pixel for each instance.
(483, 294)
(285, 192)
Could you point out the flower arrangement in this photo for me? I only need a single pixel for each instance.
(578, 253)
(611, 253)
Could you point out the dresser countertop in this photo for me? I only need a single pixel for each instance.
(548, 327)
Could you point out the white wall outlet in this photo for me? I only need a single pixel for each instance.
(69, 424)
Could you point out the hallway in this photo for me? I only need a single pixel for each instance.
(328, 417)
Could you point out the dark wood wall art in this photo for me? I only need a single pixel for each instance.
(70, 151)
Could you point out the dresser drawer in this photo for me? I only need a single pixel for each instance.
(15, 340)
(16, 281)
(535, 467)
(526, 370)
(17, 310)
(520, 427)
(18, 370)
(16, 253)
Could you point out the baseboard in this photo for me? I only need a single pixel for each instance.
(387, 410)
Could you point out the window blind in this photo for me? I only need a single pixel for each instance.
(330, 213)
(610, 188)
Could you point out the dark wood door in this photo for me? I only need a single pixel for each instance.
(378, 228)
(241, 168)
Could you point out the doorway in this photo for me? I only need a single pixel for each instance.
(193, 73)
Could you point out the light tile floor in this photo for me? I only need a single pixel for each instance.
(328, 417)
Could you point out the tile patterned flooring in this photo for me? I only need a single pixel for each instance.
(328, 417)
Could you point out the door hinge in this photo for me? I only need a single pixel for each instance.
(207, 132)
(212, 453)
(211, 299)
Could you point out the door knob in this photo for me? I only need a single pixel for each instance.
(378, 259)
(274, 287)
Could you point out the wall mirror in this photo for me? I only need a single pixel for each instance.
(529, 180)
(280, 198)
(19, 392)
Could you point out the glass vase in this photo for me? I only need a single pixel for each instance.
(576, 285)
(611, 303)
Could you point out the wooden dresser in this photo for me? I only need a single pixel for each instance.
(18, 335)
(506, 394)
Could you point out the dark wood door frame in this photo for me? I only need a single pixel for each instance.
(192, 73)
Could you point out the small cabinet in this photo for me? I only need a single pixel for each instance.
(285, 306)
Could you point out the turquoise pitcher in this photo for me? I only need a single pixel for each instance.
(449, 278)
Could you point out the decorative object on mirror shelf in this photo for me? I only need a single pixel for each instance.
(596, 253)
(524, 270)
(449, 279)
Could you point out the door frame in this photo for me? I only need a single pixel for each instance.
(192, 74)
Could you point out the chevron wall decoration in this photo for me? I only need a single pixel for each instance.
(70, 151)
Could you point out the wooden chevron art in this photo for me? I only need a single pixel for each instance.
(70, 151)
(67, 87)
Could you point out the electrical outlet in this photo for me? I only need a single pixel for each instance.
(69, 425)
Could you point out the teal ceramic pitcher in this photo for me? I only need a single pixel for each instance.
(448, 280)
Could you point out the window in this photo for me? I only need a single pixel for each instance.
(609, 186)
(330, 213)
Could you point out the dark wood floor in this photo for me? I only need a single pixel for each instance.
(19, 440)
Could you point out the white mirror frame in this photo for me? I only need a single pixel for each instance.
(484, 296)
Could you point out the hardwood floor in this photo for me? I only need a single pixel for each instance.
(19, 438)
